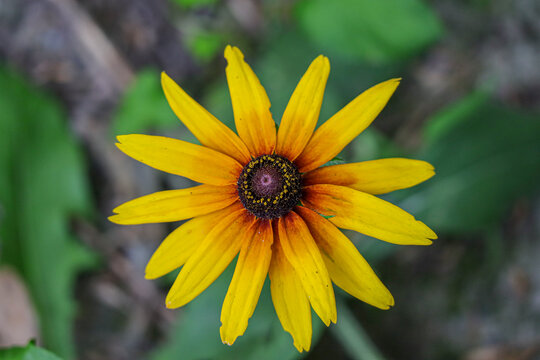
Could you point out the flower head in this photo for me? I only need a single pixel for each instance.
(265, 197)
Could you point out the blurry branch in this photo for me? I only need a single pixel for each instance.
(352, 336)
(109, 72)
(98, 53)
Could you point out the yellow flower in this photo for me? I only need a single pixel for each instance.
(265, 196)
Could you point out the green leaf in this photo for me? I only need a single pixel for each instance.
(485, 157)
(29, 352)
(194, 3)
(376, 31)
(218, 102)
(349, 332)
(372, 145)
(338, 160)
(143, 106)
(196, 333)
(205, 45)
(42, 184)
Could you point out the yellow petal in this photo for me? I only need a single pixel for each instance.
(210, 131)
(346, 266)
(289, 298)
(174, 205)
(182, 242)
(373, 177)
(338, 131)
(247, 282)
(302, 252)
(367, 214)
(302, 112)
(211, 257)
(250, 104)
(178, 157)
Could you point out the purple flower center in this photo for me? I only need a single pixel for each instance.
(266, 181)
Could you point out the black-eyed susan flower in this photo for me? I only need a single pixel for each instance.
(265, 197)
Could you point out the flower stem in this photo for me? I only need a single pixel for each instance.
(352, 336)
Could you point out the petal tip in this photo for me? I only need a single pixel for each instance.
(123, 147)
(148, 275)
(301, 347)
(389, 302)
(114, 219)
(431, 235)
(430, 170)
(322, 58)
(170, 303)
(395, 82)
(117, 209)
(231, 51)
(166, 82)
(226, 338)
(124, 140)
(326, 321)
(322, 62)
(427, 234)
(178, 299)
(391, 83)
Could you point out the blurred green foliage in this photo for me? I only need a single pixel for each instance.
(375, 31)
(143, 106)
(204, 45)
(42, 184)
(29, 352)
(194, 3)
(486, 157)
